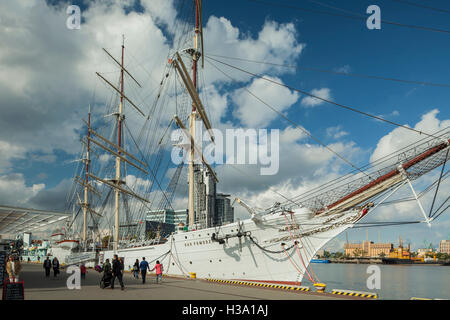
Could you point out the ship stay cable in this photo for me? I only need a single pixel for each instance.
(322, 99)
(438, 184)
(350, 74)
(151, 171)
(294, 123)
(306, 246)
(352, 15)
(297, 249)
(422, 6)
(265, 185)
(378, 162)
(271, 108)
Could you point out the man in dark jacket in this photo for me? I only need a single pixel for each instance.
(144, 266)
(117, 268)
(47, 266)
(55, 264)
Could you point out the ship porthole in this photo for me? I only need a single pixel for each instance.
(173, 263)
(190, 262)
(220, 260)
(210, 261)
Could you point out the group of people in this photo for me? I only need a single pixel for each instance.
(143, 266)
(13, 267)
(48, 264)
(116, 270)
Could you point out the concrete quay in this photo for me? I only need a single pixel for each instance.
(38, 287)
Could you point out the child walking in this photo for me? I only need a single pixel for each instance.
(83, 271)
(159, 270)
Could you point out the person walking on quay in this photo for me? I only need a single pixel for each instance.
(117, 267)
(159, 271)
(47, 266)
(136, 269)
(55, 264)
(83, 271)
(13, 268)
(144, 266)
(107, 267)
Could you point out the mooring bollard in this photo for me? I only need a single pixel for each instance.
(320, 287)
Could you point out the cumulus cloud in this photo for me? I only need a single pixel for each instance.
(400, 137)
(336, 132)
(252, 112)
(275, 42)
(14, 191)
(323, 93)
(9, 152)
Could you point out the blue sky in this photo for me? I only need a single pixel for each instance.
(328, 42)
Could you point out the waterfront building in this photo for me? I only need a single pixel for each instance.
(36, 250)
(204, 198)
(164, 221)
(444, 246)
(423, 251)
(368, 249)
(168, 216)
(224, 212)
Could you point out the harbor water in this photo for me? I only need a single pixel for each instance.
(397, 281)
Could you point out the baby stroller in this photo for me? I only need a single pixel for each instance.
(106, 278)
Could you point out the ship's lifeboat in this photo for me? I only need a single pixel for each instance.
(68, 244)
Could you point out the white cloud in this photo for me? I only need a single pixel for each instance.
(9, 152)
(137, 183)
(323, 93)
(14, 191)
(336, 132)
(400, 137)
(344, 69)
(215, 103)
(275, 42)
(252, 112)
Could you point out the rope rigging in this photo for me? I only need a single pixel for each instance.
(349, 15)
(323, 99)
(295, 124)
(350, 74)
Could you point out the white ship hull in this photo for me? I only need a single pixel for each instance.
(62, 249)
(196, 252)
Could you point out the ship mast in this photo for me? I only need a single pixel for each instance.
(86, 181)
(192, 119)
(119, 144)
(119, 152)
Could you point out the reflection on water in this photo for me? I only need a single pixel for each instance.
(397, 281)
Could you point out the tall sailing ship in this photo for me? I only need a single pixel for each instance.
(119, 183)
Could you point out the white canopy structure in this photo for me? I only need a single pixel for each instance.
(14, 220)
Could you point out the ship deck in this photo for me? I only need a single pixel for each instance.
(37, 287)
